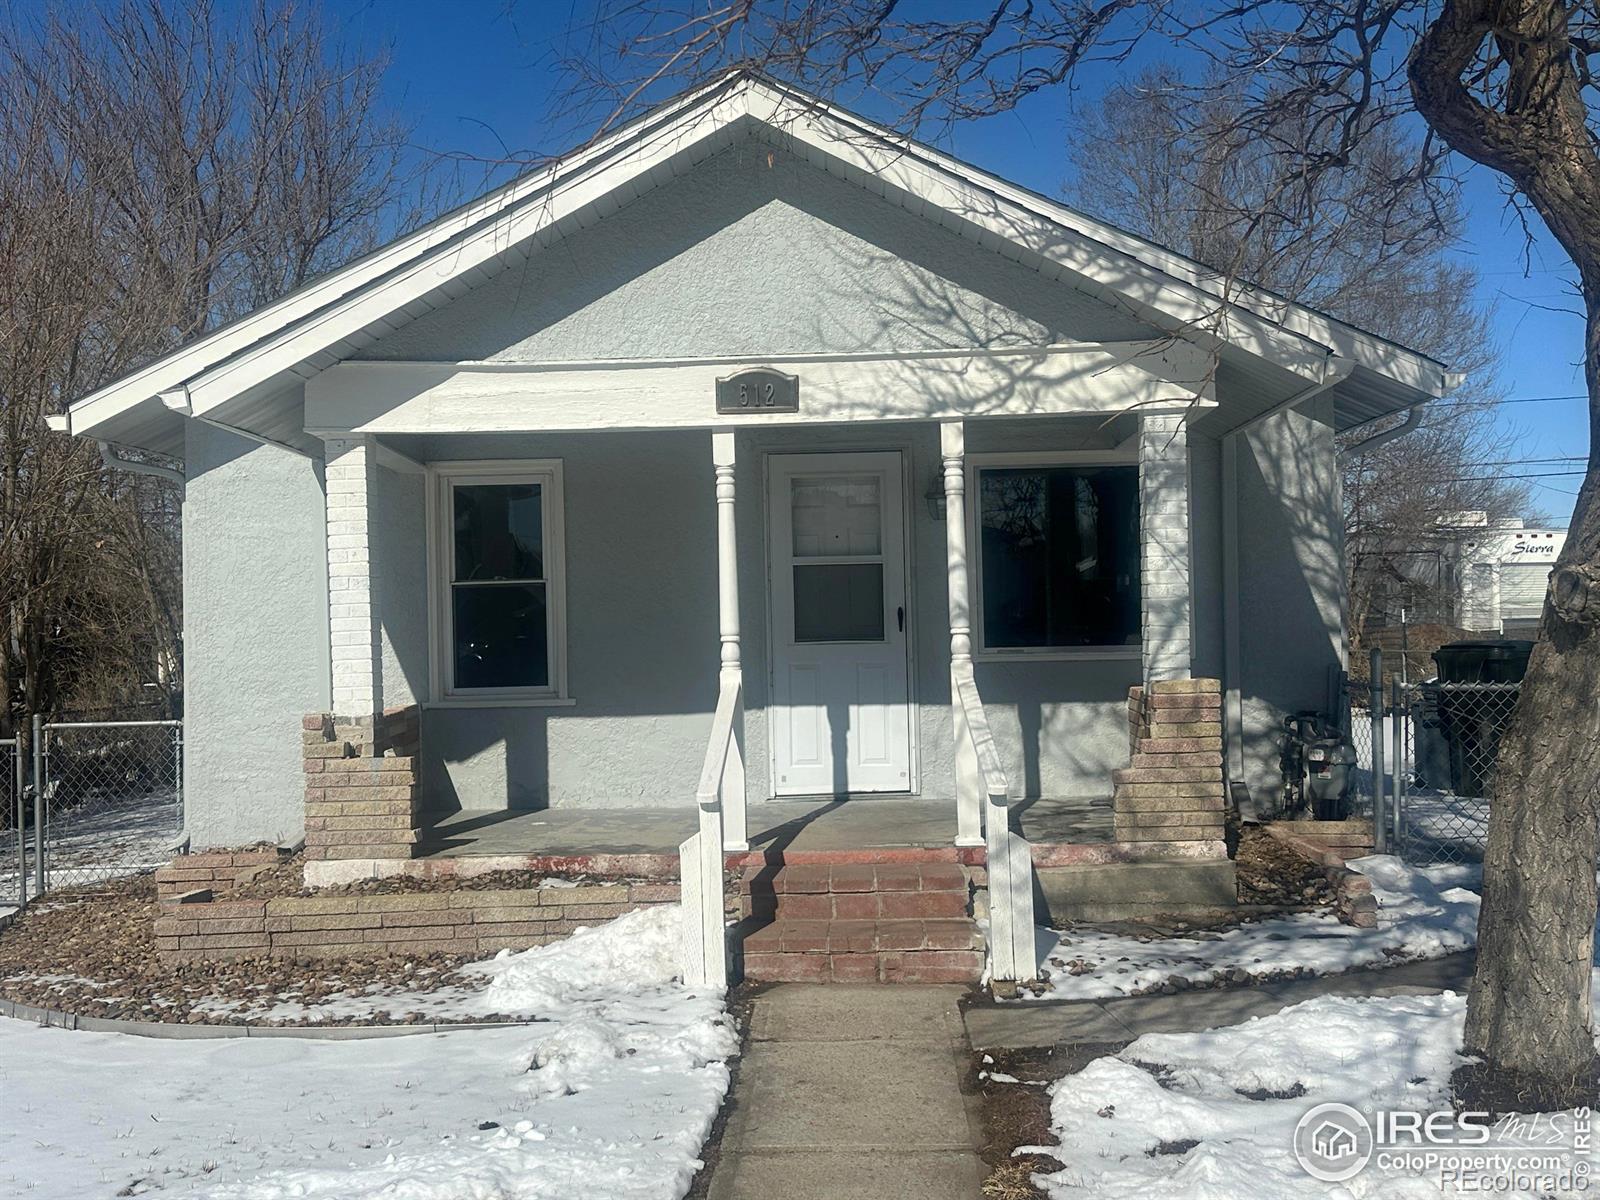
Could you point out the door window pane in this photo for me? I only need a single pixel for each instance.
(838, 602)
(500, 638)
(837, 515)
(1060, 550)
(499, 531)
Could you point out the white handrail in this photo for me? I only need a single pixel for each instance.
(989, 765)
(1012, 956)
(700, 860)
(720, 746)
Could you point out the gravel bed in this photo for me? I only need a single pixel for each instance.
(287, 879)
(92, 952)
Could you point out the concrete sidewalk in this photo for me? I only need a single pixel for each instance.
(1052, 1023)
(852, 1093)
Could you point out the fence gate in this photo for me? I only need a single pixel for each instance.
(110, 800)
(13, 823)
(1425, 762)
(1447, 786)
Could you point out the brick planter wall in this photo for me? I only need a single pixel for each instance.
(361, 784)
(1172, 791)
(196, 926)
(215, 870)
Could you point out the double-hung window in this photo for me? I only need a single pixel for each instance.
(498, 581)
(1058, 557)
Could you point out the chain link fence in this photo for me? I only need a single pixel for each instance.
(1425, 761)
(1441, 813)
(93, 801)
(13, 838)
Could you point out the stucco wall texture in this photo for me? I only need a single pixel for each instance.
(753, 253)
(255, 633)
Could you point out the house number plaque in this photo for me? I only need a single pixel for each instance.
(758, 390)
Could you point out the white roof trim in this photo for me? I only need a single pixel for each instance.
(1174, 292)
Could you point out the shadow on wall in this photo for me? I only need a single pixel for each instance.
(1291, 604)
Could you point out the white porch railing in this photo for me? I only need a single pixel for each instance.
(700, 861)
(1012, 956)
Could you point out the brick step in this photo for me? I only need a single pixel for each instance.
(941, 950)
(855, 877)
(853, 906)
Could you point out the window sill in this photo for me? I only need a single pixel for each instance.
(1061, 654)
(503, 702)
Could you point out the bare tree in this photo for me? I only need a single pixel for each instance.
(1505, 83)
(1159, 160)
(163, 167)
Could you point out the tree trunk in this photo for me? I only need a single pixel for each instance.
(1529, 1013)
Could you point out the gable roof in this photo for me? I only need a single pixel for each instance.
(247, 374)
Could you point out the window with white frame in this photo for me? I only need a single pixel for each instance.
(498, 580)
(1058, 556)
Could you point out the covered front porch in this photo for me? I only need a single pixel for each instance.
(880, 829)
(579, 612)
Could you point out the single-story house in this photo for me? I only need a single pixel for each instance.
(751, 398)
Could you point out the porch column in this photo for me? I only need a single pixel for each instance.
(969, 787)
(735, 835)
(353, 635)
(1164, 575)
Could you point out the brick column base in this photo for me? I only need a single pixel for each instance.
(361, 784)
(1172, 790)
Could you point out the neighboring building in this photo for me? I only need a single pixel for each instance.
(490, 474)
(1503, 573)
(1475, 575)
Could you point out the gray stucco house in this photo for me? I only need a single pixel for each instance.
(751, 399)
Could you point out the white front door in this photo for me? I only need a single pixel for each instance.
(840, 713)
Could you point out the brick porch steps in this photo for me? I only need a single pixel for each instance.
(848, 922)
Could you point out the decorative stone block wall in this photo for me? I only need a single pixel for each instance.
(196, 926)
(1172, 791)
(361, 784)
(216, 870)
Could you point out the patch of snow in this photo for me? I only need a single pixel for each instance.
(638, 950)
(1124, 1123)
(610, 1095)
(1423, 912)
(102, 839)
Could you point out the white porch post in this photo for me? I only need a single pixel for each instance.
(353, 636)
(969, 785)
(734, 831)
(1167, 607)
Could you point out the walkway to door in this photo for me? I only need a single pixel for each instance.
(851, 1093)
(791, 826)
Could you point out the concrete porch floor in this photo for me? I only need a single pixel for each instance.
(777, 826)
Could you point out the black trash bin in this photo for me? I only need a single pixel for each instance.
(1470, 724)
(1503, 660)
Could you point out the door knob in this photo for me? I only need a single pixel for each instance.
(900, 618)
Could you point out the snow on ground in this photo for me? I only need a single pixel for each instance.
(610, 1095)
(102, 838)
(1423, 912)
(1125, 1123)
(508, 985)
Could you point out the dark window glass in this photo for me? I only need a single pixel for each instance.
(498, 614)
(500, 639)
(1060, 556)
(838, 602)
(499, 531)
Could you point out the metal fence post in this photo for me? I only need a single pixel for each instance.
(38, 804)
(20, 804)
(1400, 714)
(1375, 714)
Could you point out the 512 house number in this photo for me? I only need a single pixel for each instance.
(758, 390)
